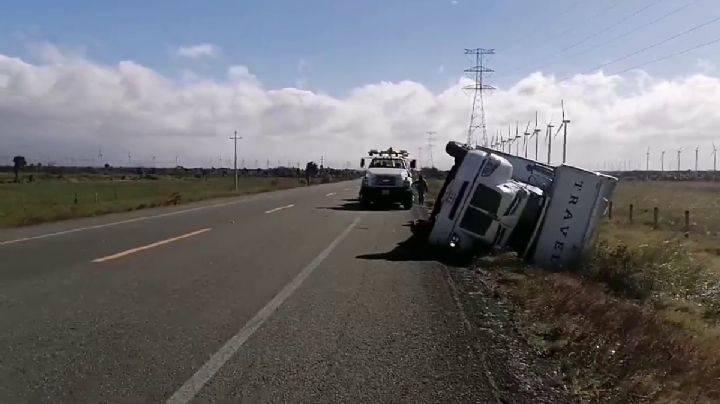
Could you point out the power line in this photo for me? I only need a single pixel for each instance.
(561, 34)
(654, 45)
(519, 40)
(636, 29)
(672, 55)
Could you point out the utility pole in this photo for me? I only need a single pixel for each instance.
(678, 154)
(662, 161)
(697, 151)
(430, 135)
(478, 87)
(235, 138)
(647, 160)
(714, 153)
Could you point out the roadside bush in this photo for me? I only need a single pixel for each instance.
(664, 268)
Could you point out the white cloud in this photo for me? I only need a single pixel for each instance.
(52, 111)
(198, 51)
(454, 2)
(441, 69)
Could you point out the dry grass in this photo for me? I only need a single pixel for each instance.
(640, 321)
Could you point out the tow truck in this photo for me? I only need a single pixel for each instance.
(388, 178)
(547, 215)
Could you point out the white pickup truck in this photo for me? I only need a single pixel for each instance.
(388, 178)
(548, 215)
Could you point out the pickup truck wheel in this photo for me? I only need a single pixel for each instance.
(364, 201)
(407, 204)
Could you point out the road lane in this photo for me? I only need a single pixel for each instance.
(36, 256)
(371, 323)
(149, 246)
(375, 323)
(144, 323)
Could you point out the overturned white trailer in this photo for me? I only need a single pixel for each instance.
(548, 215)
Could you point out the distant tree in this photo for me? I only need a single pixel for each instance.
(19, 163)
(311, 170)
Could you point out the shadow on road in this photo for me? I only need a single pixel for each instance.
(414, 248)
(355, 205)
(417, 248)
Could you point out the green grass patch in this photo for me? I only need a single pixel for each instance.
(78, 196)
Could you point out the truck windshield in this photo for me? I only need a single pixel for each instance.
(486, 198)
(476, 221)
(387, 163)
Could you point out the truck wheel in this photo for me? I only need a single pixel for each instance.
(364, 201)
(407, 204)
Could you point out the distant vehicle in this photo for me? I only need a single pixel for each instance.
(388, 178)
(548, 215)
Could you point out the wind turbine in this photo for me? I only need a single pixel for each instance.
(517, 138)
(647, 160)
(662, 161)
(714, 154)
(564, 125)
(697, 152)
(678, 154)
(525, 138)
(548, 135)
(510, 140)
(536, 133)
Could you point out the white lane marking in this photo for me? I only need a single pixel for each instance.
(149, 246)
(192, 387)
(136, 219)
(280, 208)
(330, 194)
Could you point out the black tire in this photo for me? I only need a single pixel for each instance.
(364, 201)
(407, 204)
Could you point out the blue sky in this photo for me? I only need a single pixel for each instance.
(368, 66)
(345, 44)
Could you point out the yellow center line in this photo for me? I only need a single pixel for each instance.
(149, 246)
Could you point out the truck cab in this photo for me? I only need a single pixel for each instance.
(388, 178)
(546, 214)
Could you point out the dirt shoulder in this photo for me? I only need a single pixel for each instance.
(519, 374)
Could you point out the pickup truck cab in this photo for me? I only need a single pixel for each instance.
(388, 178)
(546, 214)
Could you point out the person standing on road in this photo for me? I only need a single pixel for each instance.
(422, 187)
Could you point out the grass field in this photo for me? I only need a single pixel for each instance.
(78, 196)
(640, 320)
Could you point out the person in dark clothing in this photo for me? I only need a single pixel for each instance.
(422, 187)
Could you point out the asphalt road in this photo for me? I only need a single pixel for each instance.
(291, 296)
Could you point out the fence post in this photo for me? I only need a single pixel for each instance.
(656, 214)
(630, 213)
(610, 210)
(687, 220)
